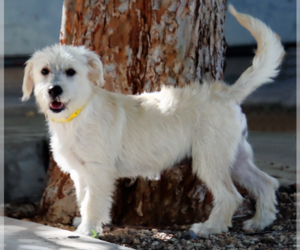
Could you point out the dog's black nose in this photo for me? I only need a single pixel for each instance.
(55, 91)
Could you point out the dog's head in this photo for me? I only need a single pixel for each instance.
(63, 78)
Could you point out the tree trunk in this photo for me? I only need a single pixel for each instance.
(144, 44)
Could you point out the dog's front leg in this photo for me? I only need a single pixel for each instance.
(80, 186)
(96, 205)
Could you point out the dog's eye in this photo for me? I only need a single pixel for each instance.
(45, 71)
(70, 72)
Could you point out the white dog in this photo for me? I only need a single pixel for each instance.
(98, 136)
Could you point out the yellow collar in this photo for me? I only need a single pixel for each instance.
(71, 117)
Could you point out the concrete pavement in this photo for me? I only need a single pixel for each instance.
(32, 236)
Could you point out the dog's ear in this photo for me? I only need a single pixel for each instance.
(96, 73)
(27, 81)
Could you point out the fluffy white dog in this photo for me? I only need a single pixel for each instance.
(98, 136)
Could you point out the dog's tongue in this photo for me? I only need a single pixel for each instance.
(56, 105)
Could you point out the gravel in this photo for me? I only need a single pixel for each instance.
(280, 235)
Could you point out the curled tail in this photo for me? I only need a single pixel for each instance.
(267, 58)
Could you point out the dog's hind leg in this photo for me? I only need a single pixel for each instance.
(260, 186)
(212, 163)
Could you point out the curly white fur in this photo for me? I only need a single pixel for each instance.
(123, 136)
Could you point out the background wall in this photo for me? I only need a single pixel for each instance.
(34, 24)
(31, 25)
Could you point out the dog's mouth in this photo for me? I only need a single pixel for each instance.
(56, 106)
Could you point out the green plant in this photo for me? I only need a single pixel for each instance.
(95, 235)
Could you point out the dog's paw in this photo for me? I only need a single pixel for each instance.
(76, 222)
(260, 224)
(250, 225)
(205, 229)
(84, 231)
(87, 229)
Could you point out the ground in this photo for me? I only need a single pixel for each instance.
(280, 235)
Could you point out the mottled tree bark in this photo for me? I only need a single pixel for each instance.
(144, 44)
